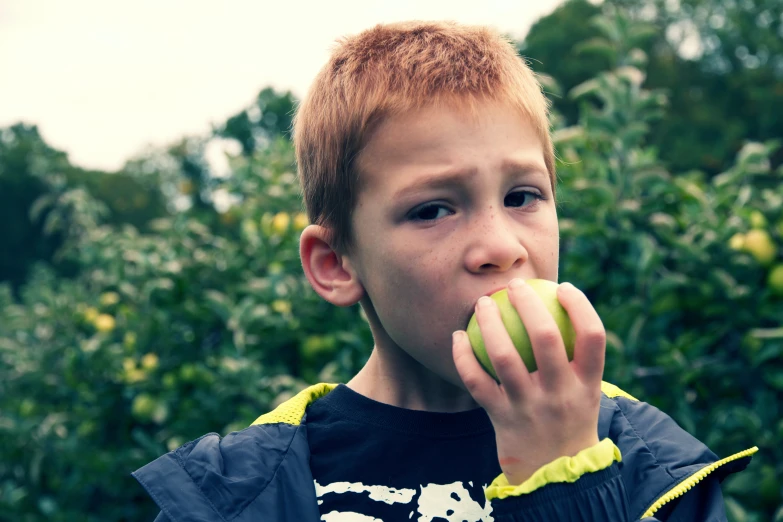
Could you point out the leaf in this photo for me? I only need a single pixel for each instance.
(745, 192)
(752, 151)
(637, 58)
(549, 84)
(735, 511)
(631, 74)
(774, 379)
(585, 88)
(199, 229)
(161, 224)
(219, 303)
(597, 46)
(568, 135)
(767, 333)
(640, 33)
(607, 27)
(613, 340)
(54, 223)
(647, 249)
(41, 204)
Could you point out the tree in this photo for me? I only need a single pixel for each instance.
(271, 115)
(719, 98)
(32, 176)
(25, 161)
(690, 305)
(551, 47)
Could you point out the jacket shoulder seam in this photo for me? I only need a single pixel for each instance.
(285, 455)
(654, 456)
(163, 505)
(185, 469)
(639, 436)
(209, 501)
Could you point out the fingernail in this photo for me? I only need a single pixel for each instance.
(456, 336)
(567, 285)
(484, 302)
(516, 284)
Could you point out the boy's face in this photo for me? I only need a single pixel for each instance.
(426, 256)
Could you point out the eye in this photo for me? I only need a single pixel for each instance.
(432, 211)
(429, 212)
(526, 198)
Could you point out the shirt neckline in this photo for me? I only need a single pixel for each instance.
(358, 408)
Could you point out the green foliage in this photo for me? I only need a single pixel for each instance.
(722, 87)
(203, 320)
(32, 176)
(551, 45)
(24, 161)
(680, 270)
(271, 115)
(129, 198)
(164, 336)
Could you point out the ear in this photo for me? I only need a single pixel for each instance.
(332, 276)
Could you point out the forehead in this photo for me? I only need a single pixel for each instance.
(414, 145)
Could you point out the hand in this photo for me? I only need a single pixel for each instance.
(552, 412)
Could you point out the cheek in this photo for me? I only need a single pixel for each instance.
(410, 303)
(548, 236)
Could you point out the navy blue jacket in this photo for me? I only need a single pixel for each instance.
(262, 473)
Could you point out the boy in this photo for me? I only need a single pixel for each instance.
(404, 121)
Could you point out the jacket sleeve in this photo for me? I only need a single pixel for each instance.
(585, 487)
(657, 455)
(597, 496)
(601, 496)
(703, 503)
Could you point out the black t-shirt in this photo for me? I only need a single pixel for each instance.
(374, 462)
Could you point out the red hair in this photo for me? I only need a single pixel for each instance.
(389, 70)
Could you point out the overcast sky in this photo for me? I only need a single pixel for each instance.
(102, 79)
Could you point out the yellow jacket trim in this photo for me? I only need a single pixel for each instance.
(611, 391)
(562, 469)
(292, 411)
(685, 486)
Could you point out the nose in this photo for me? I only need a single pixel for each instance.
(496, 243)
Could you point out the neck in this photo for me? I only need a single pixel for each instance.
(399, 380)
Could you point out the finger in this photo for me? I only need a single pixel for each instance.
(481, 386)
(509, 367)
(547, 342)
(590, 346)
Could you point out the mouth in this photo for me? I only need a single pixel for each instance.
(496, 290)
(472, 310)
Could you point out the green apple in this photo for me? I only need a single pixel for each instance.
(757, 220)
(775, 280)
(737, 241)
(547, 290)
(143, 406)
(760, 245)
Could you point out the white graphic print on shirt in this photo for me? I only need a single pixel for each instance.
(451, 502)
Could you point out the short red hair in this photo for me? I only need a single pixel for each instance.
(389, 70)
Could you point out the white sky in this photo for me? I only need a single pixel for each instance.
(102, 79)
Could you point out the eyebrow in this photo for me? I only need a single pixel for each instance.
(455, 177)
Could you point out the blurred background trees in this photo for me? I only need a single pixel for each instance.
(142, 308)
(719, 62)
